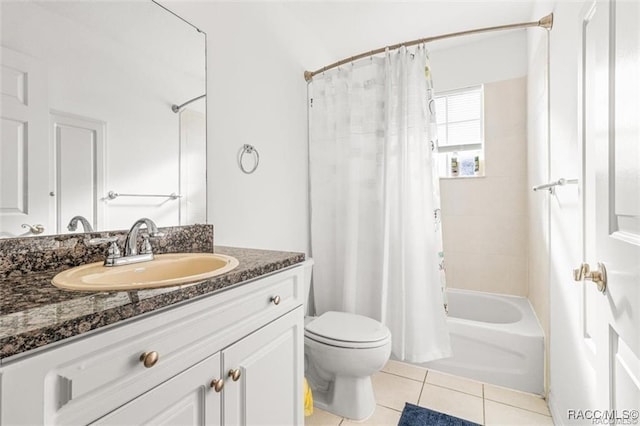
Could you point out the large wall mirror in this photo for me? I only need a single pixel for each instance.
(90, 119)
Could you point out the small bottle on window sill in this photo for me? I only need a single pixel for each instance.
(454, 164)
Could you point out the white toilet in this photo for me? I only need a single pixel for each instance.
(342, 351)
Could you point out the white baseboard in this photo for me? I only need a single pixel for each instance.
(556, 415)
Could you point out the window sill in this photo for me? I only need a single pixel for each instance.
(461, 177)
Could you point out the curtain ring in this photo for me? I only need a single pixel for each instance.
(248, 149)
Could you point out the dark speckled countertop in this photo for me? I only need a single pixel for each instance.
(34, 313)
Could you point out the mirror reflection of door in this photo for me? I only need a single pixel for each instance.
(25, 202)
(78, 169)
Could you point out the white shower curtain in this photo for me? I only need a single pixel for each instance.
(375, 200)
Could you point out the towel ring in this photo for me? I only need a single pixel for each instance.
(248, 149)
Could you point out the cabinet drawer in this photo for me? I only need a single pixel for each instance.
(186, 399)
(87, 378)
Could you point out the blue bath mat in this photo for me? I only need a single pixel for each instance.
(412, 415)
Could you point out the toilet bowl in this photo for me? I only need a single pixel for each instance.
(342, 351)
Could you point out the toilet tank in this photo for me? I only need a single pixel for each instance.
(307, 267)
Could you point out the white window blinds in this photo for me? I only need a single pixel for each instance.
(459, 118)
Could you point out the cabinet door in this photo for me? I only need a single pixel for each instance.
(271, 364)
(186, 399)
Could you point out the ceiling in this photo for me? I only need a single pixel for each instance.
(346, 28)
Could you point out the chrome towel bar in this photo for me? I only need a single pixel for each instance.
(112, 195)
(551, 185)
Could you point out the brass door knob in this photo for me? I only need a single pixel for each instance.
(149, 359)
(275, 300)
(217, 384)
(34, 229)
(234, 374)
(599, 277)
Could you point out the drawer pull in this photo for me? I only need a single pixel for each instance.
(149, 359)
(217, 384)
(234, 374)
(275, 300)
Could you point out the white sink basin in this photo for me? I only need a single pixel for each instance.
(163, 271)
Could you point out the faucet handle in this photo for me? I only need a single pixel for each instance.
(114, 250)
(146, 245)
(102, 240)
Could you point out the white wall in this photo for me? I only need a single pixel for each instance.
(538, 173)
(568, 366)
(479, 59)
(256, 95)
(555, 246)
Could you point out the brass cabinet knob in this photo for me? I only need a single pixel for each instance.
(275, 300)
(234, 374)
(149, 359)
(217, 384)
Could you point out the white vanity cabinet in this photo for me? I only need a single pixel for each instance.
(185, 399)
(238, 333)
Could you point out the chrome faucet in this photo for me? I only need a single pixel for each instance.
(130, 245)
(131, 255)
(73, 224)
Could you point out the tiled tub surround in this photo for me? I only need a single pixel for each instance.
(484, 219)
(34, 313)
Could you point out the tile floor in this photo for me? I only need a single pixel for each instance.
(478, 402)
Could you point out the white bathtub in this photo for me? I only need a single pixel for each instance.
(495, 339)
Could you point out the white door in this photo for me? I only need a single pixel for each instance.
(24, 148)
(268, 368)
(611, 208)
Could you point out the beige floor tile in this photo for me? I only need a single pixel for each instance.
(383, 416)
(517, 399)
(452, 402)
(497, 414)
(322, 418)
(454, 382)
(405, 370)
(393, 391)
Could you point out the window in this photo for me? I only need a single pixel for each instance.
(459, 115)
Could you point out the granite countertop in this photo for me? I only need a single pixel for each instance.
(34, 313)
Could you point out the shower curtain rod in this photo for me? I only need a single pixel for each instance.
(545, 22)
(177, 108)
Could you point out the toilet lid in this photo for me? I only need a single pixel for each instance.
(345, 327)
